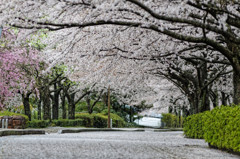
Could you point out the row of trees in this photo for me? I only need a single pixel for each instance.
(22, 74)
(57, 92)
(192, 43)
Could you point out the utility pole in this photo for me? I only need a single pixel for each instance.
(109, 107)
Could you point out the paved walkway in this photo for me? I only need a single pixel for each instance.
(108, 145)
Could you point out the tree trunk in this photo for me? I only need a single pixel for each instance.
(204, 103)
(195, 104)
(170, 109)
(224, 98)
(1, 102)
(63, 98)
(88, 101)
(55, 105)
(46, 103)
(236, 85)
(46, 108)
(203, 93)
(25, 100)
(90, 110)
(131, 114)
(193, 101)
(40, 107)
(72, 112)
(214, 98)
(185, 111)
(71, 106)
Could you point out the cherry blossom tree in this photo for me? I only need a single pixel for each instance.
(131, 29)
(17, 66)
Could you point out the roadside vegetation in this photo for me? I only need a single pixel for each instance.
(218, 127)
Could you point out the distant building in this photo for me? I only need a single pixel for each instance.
(150, 121)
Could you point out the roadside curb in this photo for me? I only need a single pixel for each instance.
(8, 132)
(165, 130)
(63, 131)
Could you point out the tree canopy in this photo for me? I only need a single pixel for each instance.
(192, 43)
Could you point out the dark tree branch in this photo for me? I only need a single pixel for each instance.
(95, 102)
(184, 21)
(221, 73)
(81, 97)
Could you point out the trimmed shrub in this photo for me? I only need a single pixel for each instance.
(82, 119)
(87, 119)
(60, 122)
(222, 128)
(117, 121)
(193, 126)
(66, 122)
(39, 123)
(99, 120)
(219, 127)
(171, 120)
(132, 125)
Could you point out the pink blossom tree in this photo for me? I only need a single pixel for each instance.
(18, 64)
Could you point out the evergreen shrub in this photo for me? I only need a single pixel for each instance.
(171, 120)
(222, 128)
(193, 126)
(100, 120)
(117, 120)
(68, 122)
(86, 117)
(219, 127)
(60, 122)
(38, 123)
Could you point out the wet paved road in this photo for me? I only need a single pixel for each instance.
(108, 145)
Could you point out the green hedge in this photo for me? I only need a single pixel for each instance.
(60, 122)
(171, 120)
(193, 126)
(219, 127)
(38, 123)
(67, 122)
(86, 117)
(222, 128)
(99, 120)
(117, 120)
